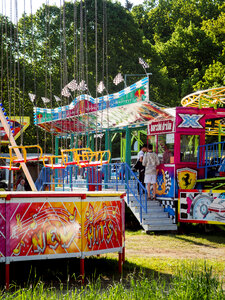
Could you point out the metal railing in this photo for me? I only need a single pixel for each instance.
(112, 176)
(210, 155)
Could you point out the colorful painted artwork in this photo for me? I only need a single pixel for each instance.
(161, 127)
(201, 206)
(18, 124)
(186, 178)
(128, 107)
(2, 229)
(102, 225)
(165, 185)
(65, 226)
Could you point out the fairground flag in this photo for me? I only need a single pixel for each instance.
(57, 99)
(118, 79)
(72, 85)
(82, 86)
(100, 87)
(32, 97)
(65, 92)
(45, 100)
(143, 63)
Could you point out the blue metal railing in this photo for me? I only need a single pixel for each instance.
(111, 176)
(136, 188)
(44, 177)
(211, 155)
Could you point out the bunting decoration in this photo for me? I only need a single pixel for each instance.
(143, 63)
(72, 85)
(45, 100)
(32, 97)
(100, 87)
(57, 99)
(65, 92)
(82, 86)
(118, 79)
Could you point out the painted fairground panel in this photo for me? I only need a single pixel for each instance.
(186, 178)
(165, 185)
(2, 229)
(201, 206)
(128, 107)
(103, 225)
(44, 228)
(190, 118)
(18, 124)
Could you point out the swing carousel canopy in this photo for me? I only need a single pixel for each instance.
(127, 108)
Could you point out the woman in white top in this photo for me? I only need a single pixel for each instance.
(150, 161)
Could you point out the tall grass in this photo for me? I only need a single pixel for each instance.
(188, 283)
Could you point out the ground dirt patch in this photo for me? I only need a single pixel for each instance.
(176, 246)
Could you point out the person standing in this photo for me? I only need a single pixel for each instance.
(139, 164)
(150, 161)
(20, 186)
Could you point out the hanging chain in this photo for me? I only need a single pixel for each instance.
(96, 69)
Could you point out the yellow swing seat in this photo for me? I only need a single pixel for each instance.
(52, 164)
(25, 158)
(77, 153)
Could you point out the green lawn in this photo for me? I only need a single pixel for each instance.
(157, 267)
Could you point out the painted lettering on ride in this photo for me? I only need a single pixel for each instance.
(161, 126)
(99, 232)
(52, 237)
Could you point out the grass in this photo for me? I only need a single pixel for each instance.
(157, 267)
(187, 283)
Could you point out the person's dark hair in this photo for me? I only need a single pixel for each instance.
(144, 146)
(150, 147)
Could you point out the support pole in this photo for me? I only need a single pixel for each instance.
(219, 140)
(17, 151)
(92, 142)
(82, 270)
(56, 153)
(128, 146)
(7, 270)
(123, 254)
(108, 146)
(120, 262)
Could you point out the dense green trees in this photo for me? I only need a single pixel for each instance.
(183, 42)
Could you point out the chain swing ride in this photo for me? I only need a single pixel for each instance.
(74, 222)
(86, 223)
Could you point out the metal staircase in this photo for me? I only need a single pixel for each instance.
(155, 219)
(152, 215)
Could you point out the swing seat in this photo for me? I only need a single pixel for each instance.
(78, 155)
(55, 166)
(93, 163)
(25, 158)
(10, 168)
(71, 163)
(97, 158)
(32, 158)
(52, 164)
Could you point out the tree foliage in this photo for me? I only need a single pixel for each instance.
(183, 41)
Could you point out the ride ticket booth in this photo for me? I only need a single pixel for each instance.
(176, 141)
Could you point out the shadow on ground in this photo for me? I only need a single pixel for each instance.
(66, 272)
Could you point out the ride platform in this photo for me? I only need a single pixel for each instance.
(50, 225)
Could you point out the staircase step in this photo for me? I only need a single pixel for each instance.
(171, 227)
(150, 204)
(155, 215)
(151, 210)
(161, 221)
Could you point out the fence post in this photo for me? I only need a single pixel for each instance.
(127, 181)
(206, 160)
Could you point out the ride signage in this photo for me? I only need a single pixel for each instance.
(162, 126)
